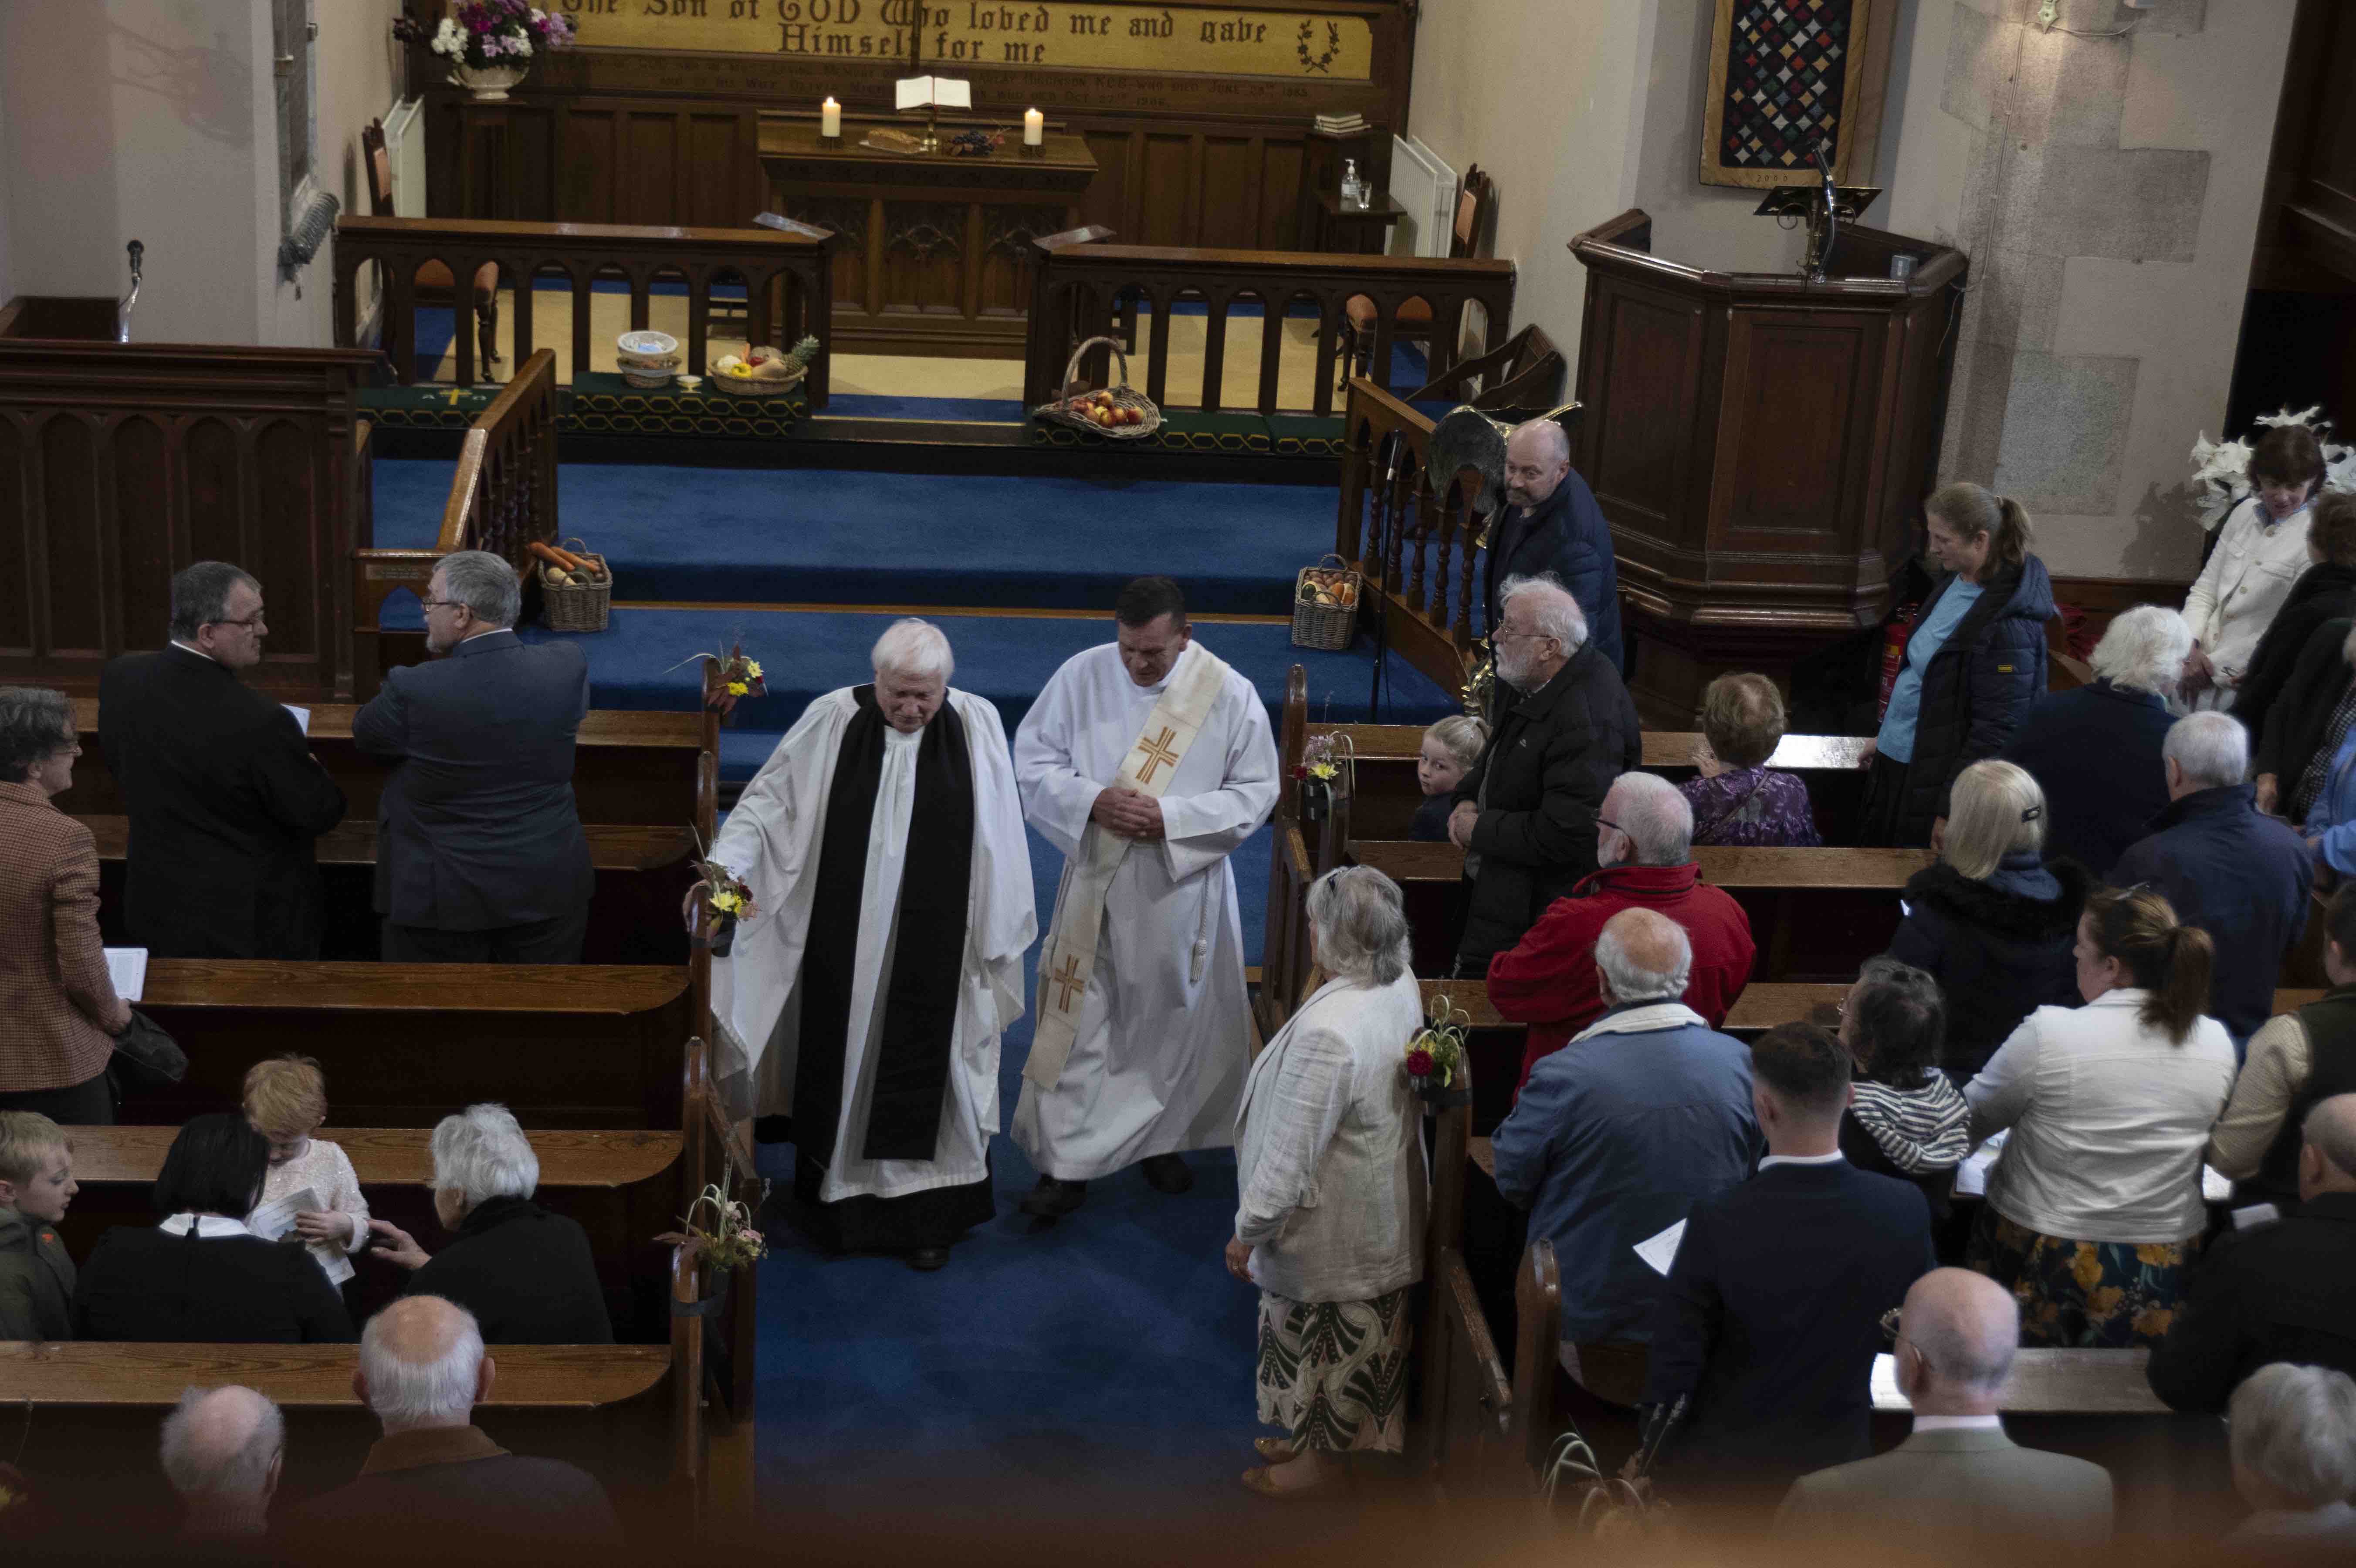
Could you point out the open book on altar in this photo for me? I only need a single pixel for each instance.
(932, 92)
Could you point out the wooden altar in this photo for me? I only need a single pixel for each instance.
(933, 253)
(1761, 445)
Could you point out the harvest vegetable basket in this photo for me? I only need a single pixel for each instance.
(577, 588)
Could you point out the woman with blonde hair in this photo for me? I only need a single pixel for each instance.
(1973, 663)
(1990, 921)
(2094, 1208)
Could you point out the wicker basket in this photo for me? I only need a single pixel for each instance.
(756, 385)
(1065, 410)
(576, 606)
(1325, 605)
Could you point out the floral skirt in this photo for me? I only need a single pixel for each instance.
(2082, 1294)
(1334, 1374)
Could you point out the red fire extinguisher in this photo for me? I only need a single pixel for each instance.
(1894, 634)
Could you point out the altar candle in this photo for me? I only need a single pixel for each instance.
(1034, 128)
(830, 118)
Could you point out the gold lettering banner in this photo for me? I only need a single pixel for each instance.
(992, 33)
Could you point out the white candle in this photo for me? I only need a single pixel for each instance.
(1034, 128)
(830, 118)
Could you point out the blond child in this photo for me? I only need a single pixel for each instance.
(286, 1102)
(1450, 749)
(37, 1276)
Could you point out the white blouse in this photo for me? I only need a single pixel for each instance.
(324, 1169)
(2248, 576)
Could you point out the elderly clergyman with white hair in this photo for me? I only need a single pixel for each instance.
(2094, 750)
(1526, 816)
(1958, 1475)
(2242, 876)
(528, 1276)
(1645, 842)
(436, 1487)
(882, 846)
(223, 1449)
(1549, 522)
(1618, 1134)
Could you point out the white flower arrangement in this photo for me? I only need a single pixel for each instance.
(490, 33)
(2220, 469)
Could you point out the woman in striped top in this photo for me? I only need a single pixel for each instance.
(1907, 1120)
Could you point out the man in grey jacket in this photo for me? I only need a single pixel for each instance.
(1958, 1475)
(480, 858)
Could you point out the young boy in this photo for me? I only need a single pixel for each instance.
(37, 1277)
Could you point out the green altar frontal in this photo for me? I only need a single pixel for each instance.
(601, 403)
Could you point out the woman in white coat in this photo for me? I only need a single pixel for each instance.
(1334, 1194)
(2261, 551)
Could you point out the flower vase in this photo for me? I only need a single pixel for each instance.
(488, 83)
(725, 939)
(1316, 799)
(1440, 1097)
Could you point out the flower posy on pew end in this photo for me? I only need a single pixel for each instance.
(730, 1243)
(487, 34)
(1435, 1057)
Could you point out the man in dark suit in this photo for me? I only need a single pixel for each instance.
(225, 799)
(480, 857)
(2282, 1292)
(1767, 1334)
(1550, 522)
(433, 1483)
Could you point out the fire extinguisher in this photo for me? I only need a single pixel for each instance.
(1894, 634)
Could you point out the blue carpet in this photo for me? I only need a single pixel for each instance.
(849, 537)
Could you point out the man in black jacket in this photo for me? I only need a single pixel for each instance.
(225, 799)
(1549, 522)
(2282, 1292)
(1525, 815)
(1767, 1334)
(480, 857)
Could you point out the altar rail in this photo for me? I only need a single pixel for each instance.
(502, 499)
(792, 274)
(1078, 289)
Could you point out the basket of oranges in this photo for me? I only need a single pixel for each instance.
(1118, 411)
(1325, 605)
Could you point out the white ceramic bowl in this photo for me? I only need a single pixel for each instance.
(646, 344)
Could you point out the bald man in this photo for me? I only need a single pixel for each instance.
(1958, 1475)
(1550, 522)
(2282, 1292)
(223, 1449)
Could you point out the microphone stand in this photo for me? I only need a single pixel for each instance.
(1386, 519)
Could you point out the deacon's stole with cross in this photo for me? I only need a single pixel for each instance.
(1069, 958)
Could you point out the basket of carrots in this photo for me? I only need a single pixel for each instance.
(577, 589)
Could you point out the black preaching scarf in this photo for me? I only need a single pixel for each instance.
(920, 996)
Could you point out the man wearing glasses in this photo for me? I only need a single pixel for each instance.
(480, 858)
(225, 800)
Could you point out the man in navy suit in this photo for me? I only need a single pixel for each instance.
(480, 857)
(1773, 1316)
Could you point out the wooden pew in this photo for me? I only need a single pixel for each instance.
(404, 1044)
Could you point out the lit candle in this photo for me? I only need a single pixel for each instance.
(830, 118)
(1034, 128)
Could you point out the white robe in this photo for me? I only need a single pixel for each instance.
(1164, 1036)
(773, 840)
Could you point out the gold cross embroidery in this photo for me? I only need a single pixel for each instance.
(1067, 980)
(1157, 754)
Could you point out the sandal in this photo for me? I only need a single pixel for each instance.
(1275, 1450)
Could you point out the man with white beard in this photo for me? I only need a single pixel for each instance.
(1146, 761)
(883, 846)
(1525, 815)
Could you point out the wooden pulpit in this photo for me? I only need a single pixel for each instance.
(1761, 445)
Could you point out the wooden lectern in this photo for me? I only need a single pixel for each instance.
(1762, 445)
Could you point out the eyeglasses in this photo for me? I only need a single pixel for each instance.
(249, 623)
(1607, 822)
(441, 604)
(1511, 637)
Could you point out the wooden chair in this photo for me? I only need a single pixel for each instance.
(1472, 234)
(1526, 372)
(434, 283)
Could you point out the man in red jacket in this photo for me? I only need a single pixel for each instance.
(1644, 844)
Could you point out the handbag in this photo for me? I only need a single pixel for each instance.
(147, 1058)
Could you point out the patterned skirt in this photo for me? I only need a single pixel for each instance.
(1334, 1374)
(2110, 1296)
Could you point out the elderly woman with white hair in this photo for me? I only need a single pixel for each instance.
(2094, 750)
(1334, 1194)
(2292, 1433)
(526, 1274)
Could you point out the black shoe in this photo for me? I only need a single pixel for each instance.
(1167, 1172)
(925, 1260)
(1051, 1200)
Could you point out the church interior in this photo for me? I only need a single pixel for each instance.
(744, 330)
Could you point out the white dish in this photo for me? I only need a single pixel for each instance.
(647, 344)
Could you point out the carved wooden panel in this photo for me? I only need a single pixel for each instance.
(1786, 374)
(1638, 449)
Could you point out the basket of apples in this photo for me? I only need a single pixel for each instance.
(1118, 411)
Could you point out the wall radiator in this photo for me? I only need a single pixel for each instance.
(1426, 187)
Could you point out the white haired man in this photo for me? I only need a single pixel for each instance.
(1618, 1134)
(1958, 1475)
(1550, 524)
(2242, 876)
(2292, 1432)
(1527, 816)
(1147, 761)
(223, 1449)
(2096, 749)
(434, 1485)
(883, 846)
(1645, 840)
